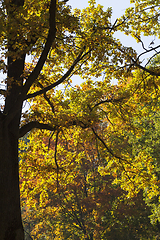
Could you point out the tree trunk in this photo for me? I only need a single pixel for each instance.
(10, 213)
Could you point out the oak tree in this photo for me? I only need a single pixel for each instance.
(61, 43)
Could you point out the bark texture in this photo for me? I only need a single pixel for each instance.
(10, 212)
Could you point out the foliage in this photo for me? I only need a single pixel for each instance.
(93, 157)
(77, 202)
(71, 178)
(78, 179)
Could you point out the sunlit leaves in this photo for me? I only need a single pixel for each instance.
(146, 18)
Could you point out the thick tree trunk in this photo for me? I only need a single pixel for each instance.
(10, 213)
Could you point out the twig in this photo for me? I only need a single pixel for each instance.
(46, 98)
(49, 142)
(28, 234)
(55, 157)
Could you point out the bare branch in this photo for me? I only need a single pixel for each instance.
(114, 26)
(34, 124)
(64, 1)
(121, 160)
(148, 50)
(55, 158)
(141, 43)
(55, 154)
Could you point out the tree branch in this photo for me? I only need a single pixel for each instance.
(44, 90)
(135, 62)
(149, 60)
(35, 73)
(55, 158)
(147, 51)
(114, 26)
(46, 98)
(121, 160)
(109, 101)
(147, 70)
(34, 124)
(102, 141)
(51, 36)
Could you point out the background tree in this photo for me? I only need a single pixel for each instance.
(80, 204)
(135, 137)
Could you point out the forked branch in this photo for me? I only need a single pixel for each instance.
(34, 124)
(51, 36)
(67, 74)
